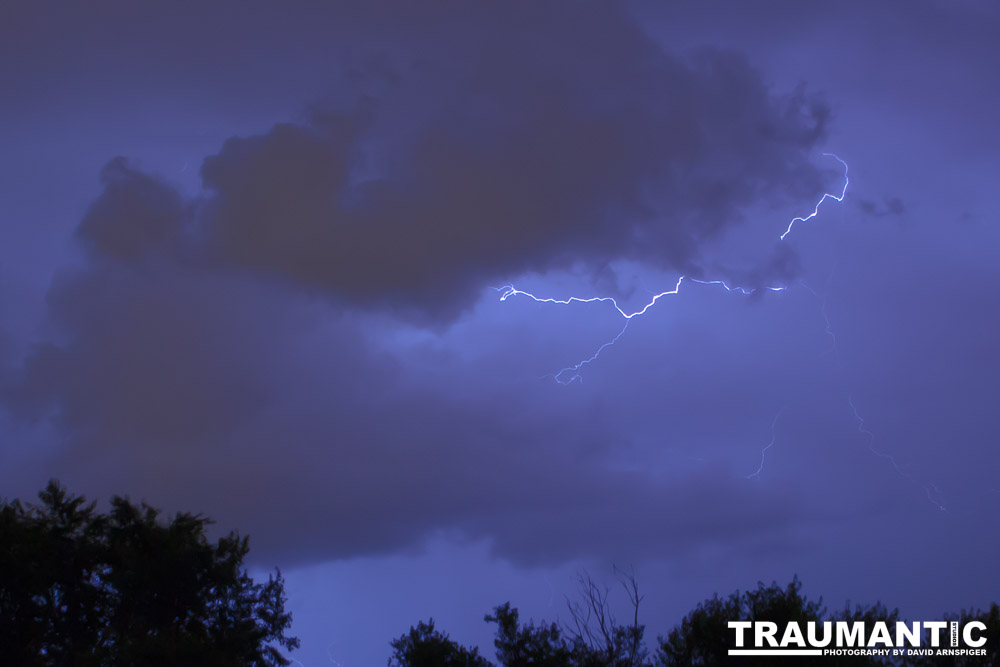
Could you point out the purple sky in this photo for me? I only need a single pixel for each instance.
(248, 267)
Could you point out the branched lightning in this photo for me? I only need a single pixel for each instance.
(571, 373)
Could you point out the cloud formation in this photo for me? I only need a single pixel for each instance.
(531, 139)
(190, 358)
(893, 206)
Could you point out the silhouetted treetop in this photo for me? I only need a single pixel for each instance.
(79, 587)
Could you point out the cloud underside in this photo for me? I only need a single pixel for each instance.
(225, 348)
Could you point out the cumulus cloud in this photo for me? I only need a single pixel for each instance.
(277, 414)
(532, 138)
(190, 358)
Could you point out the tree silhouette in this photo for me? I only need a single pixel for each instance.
(704, 638)
(520, 645)
(598, 638)
(78, 587)
(423, 646)
(594, 638)
(991, 619)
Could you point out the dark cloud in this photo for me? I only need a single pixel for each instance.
(516, 138)
(135, 216)
(292, 339)
(892, 207)
(189, 358)
(272, 412)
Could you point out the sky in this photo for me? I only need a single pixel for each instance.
(253, 261)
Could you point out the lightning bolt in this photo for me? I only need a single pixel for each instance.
(763, 452)
(815, 212)
(891, 459)
(571, 374)
(329, 654)
(826, 318)
(936, 498)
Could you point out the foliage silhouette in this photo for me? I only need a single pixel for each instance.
(594, 638)
(78, 587)
(704, 638)
(423, 646)
(991, 619)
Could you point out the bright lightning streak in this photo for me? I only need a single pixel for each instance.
(571, 373)
(815, 212)
(509, 291)
(763, 452)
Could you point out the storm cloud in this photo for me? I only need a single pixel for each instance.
(504, 139)
(238, 338)
(249, 260)
(287, 322)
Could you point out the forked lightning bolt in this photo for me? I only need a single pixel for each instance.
(572, 373)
